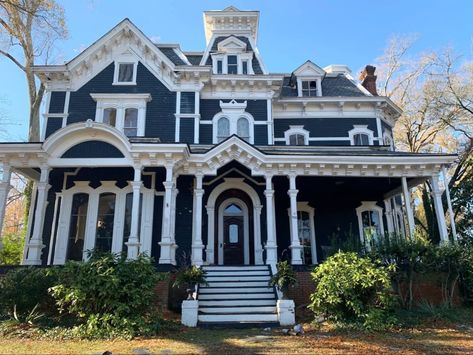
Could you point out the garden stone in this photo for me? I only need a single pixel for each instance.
(141, 351)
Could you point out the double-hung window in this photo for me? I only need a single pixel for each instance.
(309, 88)
(125, 73)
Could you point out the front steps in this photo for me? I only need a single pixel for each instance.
(237, 296)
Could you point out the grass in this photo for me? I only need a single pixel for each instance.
(438, 337)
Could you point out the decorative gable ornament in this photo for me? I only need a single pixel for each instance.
(232, 45)
(309, 70)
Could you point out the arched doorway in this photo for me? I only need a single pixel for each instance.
(234, 230)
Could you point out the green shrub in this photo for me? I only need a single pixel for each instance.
(25, 290)
(350, 288)
(284, 278)
(108, 293)
(190, 276)
(11, 251)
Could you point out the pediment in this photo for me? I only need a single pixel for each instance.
(309, 69)
(232, 44)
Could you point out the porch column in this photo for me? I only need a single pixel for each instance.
(133, 242)
(175, 192)
(4, 189)
(209, 251)
(166, 240)
(295, 247)
(407, 203)
(437, 197)
(35, 244)
(257, 234)
(271, 243)
(453, 228)
(389, 216)
(197, 246)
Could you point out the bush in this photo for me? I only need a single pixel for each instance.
(109, 295)
(25, 289)
(11, 251)
(350, 288)
(284, 278)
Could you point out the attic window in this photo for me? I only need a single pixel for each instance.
(125, 73)
(232, 64)
(309, 88)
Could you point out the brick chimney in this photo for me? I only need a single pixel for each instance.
(368, 79)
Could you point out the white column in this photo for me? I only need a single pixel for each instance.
(210, 235)
(175, 192)
(133, 242)
(257, 234)
(197, 246)
(408, 207)
(35, 244)
(53, 229)
(271, 243)
(389, 216)
(453, 228)
(4, 189)
(296, 248)
(437, 197)
(166, 239)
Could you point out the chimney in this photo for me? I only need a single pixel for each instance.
(368, 79)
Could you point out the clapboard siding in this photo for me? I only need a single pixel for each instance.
(57, 101)
(160, 120)
(53, 124)
(187, 130)
(93, 149)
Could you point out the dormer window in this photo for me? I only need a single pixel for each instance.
(361, 135)
(219, 66)
(125, 73)
(309, 88)
(296, 135)
(361, 139)
(244, 67)
(232, 62)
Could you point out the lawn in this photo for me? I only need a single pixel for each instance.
(434, 338)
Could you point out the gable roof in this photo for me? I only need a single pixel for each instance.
(309, 69)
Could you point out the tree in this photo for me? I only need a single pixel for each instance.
(28, 32)
(435, 92)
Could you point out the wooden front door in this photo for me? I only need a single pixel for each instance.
(233, 245)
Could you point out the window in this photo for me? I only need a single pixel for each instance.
(130, 125)
(232, 64)
(244, 67)
(296, 139)
(78, 222)
(187, 102)
(219, 67)
(110, 116)
(306, 232)
(233, 233)
(125, 112)
(105, 222)
(370, 222)
(296, 135)
(309, 88)
(243, 129)
(361, 139)
(233, 209)
(388, 140)
(125, 72)
(223, 129)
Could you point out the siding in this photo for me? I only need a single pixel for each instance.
(93, 149)
(53, 124)
(184, 219)
(160, 120)
(205, 134)
(56, 104)
(187, 130)
(261, 135)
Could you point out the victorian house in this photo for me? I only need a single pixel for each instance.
(207, 158)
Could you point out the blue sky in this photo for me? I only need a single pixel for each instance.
(324, 31)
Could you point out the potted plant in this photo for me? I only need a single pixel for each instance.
(189, 277)
(284, 278)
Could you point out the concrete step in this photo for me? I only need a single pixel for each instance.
(240, 302)
(226, 296)
(237, 284)
(237, 278)
(238, 273)
(238, 318)
(256, 309)
(234, 268)
(235, 290)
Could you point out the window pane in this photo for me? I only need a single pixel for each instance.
(219, 67)
(296, 139)
(309, 88)
(223, 129)
(105, 216)
(187, 102)
(232, 64)
(130, 125)
(361, 139)
(75, 245)
(125, 72)
(300, 139)
(110, 116)
(233, 209)
(243, 128)
(127, 224)
(245, 67)
(233, 233)
(371, 226)
(304, 230)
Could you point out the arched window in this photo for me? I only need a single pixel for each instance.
(105, 219)
(388, 140)
(110, 116)
(130, 123)
(78, 222)
(361, 139)
(296, 135)
(223, 129)
(243, 129)
(306, 232)
(370, 220)
(297, 139)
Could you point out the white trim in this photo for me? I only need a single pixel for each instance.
(360, 129)
(304, 207)
(233, 111)
(125, 60)
(177, 133)
(296, 130)
(246, 229)
(388, 136)
(364, 207)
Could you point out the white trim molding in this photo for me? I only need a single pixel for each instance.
(360, 129)
(296, 130)
(125, 58)
(233, 111)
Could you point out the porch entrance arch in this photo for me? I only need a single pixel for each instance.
(234, 224)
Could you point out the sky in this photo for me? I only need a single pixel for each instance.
(290, 32)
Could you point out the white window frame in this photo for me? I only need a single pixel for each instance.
(296, 130)
(361, 129)
(303, 206)
(233, 111)
(241, 57)
(60, 253)
(386, 136)
(121, 102)
(125, 60)
(367, 206)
